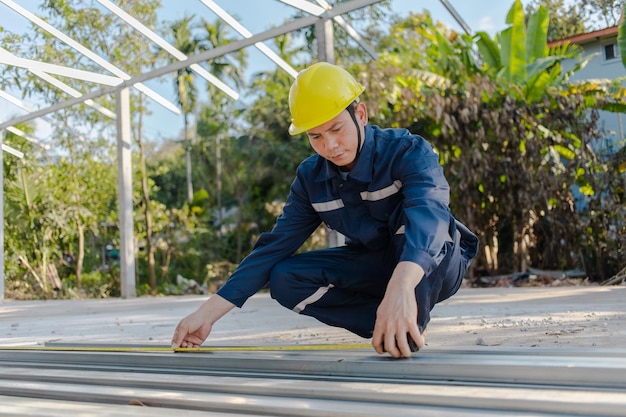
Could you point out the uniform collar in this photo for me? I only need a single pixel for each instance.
(362, 169)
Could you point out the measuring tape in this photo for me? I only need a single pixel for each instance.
(199, 349)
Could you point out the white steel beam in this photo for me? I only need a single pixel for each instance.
(10, 59)
(168, 48)
(15, 101)
(91, 55)
(232, 22)
(456, 16)
(305, 6)
(6, 148)
(67, 89)
(26, 136)
(74, 93)
(22, 105)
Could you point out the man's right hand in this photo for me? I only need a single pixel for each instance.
(396, 316)
(193, 330)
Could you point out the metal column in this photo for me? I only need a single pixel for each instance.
(125, 195)
(325, 40)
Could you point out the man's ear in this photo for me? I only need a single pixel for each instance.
(361, 112)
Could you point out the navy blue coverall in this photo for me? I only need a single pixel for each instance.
(391, 207)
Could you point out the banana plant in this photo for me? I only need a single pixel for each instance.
(519, 55)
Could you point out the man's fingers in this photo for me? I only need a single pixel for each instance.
(186, 340)
(179, 336)
(391, 346)
(403, 346)
(377, 340)
(194, 340)
(377, 345)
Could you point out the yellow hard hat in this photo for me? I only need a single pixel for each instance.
(319, 93)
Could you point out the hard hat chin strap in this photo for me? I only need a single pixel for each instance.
(351, 109)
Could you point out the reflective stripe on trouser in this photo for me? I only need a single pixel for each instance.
(343, 286)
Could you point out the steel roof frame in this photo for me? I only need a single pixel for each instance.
(127, 261)
(232, 22)
(90, 54)
(290, 26)
(135, 24)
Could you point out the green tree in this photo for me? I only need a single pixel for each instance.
(82, 137)
(85, 192)
(243, 160)
(187, 43)
(145, 198)
(220, 109)
(568, 19)
(181, 241)
(52, 207)
(65, 221)
(17, 241)
(166, 168)
(35, 224)
(603, 13)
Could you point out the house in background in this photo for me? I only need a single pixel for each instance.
(606, 64)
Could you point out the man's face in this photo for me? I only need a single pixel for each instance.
(337, 139)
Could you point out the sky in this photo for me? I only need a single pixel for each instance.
(256, 16)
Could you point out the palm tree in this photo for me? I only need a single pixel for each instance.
(186, 91)
(227, 67)
(230, 68)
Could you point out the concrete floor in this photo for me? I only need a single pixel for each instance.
(528, 317)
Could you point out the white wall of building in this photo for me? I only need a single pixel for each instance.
(602, 66)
